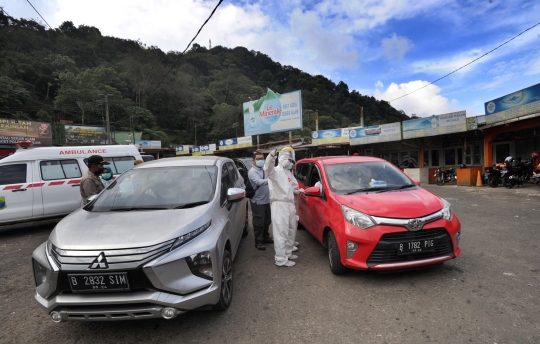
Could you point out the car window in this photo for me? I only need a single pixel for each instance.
(118, 165)
(226, 184)
(162, 188)
(59, 169)
(232, 172)
(314, 177)
(301, 173)
(368, 175)
(13, 174)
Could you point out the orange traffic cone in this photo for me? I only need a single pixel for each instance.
(479, 180)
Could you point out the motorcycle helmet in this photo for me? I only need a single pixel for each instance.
(462, 166)
(509, 159)
(535, 155)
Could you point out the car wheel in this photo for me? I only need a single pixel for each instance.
(245, 231)
(493, 182)
(226, 290)
(334, 256)
(440, 180)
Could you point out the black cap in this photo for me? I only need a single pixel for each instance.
(97, 159)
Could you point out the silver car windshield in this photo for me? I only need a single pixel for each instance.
(366, 176)
(158, 188)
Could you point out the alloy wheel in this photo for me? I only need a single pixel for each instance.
(226, 279)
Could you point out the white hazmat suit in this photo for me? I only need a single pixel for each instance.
(283, 186)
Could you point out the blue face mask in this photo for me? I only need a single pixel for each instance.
(259, 163)
(106, 176)
(290, 166)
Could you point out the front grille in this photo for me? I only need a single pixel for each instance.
(386, 250)
(137, 281)
(118, 259)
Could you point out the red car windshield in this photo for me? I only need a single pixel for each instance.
(365, 176)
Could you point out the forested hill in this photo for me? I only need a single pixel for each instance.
(58, 75)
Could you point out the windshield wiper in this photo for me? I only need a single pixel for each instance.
(405, 186)
(190, 205)
(365, 190)
(137, 208)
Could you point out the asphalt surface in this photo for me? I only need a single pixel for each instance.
(490, 294)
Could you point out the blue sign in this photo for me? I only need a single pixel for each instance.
(228, 142)
(517, 104)
(375, 134)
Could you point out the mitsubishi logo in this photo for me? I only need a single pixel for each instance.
(415, 225)
(100, 262)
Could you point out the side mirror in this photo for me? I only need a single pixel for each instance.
(235, 195)
(313, 191)
(417, 182)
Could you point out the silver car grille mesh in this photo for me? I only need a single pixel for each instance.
(118, 259)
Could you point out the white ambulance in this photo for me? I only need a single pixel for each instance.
(42, 183)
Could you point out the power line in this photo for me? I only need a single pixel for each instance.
(174, 64)
(39, 14)
(476, 59)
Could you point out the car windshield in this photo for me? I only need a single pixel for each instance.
(158, 188)
(248, 163)
(366, 176)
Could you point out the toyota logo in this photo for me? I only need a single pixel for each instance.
(415, 224)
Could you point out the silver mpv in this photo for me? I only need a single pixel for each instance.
(157, 242)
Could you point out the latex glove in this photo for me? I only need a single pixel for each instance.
(273, 152)
(301, 190)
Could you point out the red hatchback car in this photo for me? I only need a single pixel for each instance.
(370, 215)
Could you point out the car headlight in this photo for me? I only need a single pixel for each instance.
(357, 218)
(200, 265)
(40, 273)
(190, 236)
(447, 210)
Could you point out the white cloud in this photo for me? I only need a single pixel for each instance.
(425, 102)
(498, 80)
(379, 84)
(395, 46)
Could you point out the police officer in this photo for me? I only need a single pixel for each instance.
(91, 183)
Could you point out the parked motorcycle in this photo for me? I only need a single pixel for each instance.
(512, 176)
(535, 178)
(493, 176)
(443, 176)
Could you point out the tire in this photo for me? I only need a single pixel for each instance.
(493, 182)
(226, 289)
(245, 231)
(507, 183)
(334, 257)
(440, 180)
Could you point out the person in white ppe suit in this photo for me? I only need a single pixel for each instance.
(283, 186)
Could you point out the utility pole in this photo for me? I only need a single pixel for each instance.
(316, 120)
(195, 135)
(362, 116)
(107, 116)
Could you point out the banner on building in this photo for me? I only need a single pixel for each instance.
(13, 130)
(375, 134)
(472, 124)
(521, 103)
(183, 150)
(148, 144)
(237, 142)
(454, 122)
(208, 149)
(273, 113)
(85, 135)
(330, 136)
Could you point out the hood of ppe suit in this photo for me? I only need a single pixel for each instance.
(288, 152)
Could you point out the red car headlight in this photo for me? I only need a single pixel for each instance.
(357, 218)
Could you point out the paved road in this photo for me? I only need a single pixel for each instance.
(490, 294)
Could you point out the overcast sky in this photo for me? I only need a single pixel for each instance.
(383, 48)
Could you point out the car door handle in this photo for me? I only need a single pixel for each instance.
(17, 190)
(75, 184)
